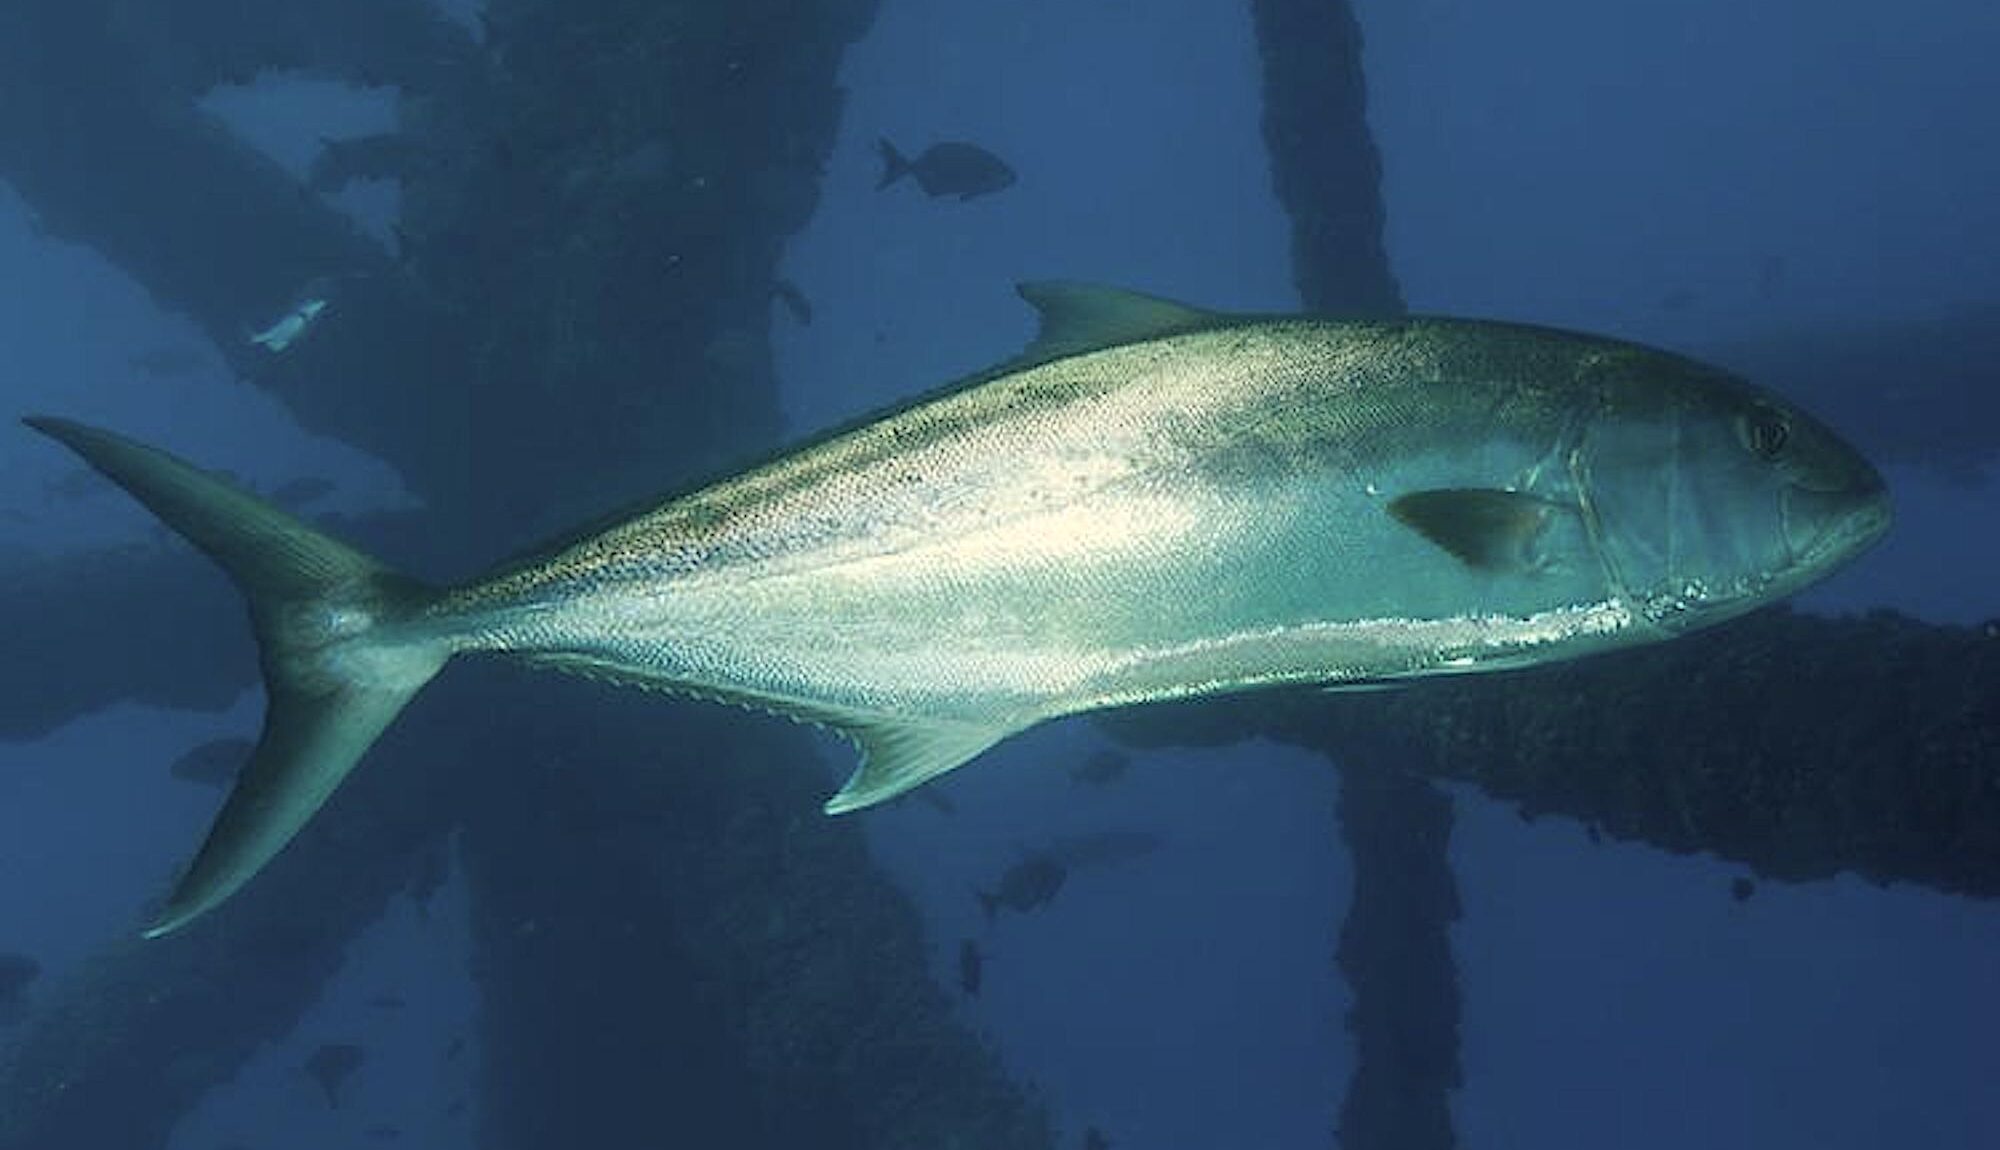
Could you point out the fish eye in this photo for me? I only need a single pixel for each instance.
(1764, 432)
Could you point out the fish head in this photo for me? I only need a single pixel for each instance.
(1707, 497)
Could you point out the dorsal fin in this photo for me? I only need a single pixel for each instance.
(1080, 317)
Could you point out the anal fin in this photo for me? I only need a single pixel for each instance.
(898, 754)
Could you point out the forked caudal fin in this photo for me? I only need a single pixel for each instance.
(333, 680)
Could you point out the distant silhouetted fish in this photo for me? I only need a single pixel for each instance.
(293, 494)
(786, 292)
(289, 328)
(1679, 299)
(1094, 1139)
(951, 168)
(76, 484)
(1099, 848)
(16, 972)
(383, 1132)
(1034, 881)
(331, 1066)
(387, 1002)
(170, 361)
(971, 967)
(433, 867)
(382, 156)
(1101, 768)
(1770, 275)
(214, 763)
(1030, 883)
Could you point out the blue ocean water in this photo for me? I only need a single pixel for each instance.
(1695, 176)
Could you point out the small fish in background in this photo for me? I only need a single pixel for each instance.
(1741, 888)
(456, 1108)
(380, 156)
(291, 327)
(971, 968)
(952, 168)
(293, 494)
(383, 1132)
(786, 292)
(433, 867)
(17, 972)
(1678, 300)
(215, 763)
(454, 1048)
(1033, 882)
(387, 1002)
(1101, 848)
(332, 1065)
(937, 800)
(1771, 272)
(1094, 1139)
(1101, 769)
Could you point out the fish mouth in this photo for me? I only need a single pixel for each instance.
(1822, 531)
(1826, 529)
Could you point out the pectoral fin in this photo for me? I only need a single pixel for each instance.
(898, 754)
(1484, 528)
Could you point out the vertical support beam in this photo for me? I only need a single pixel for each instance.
(1395, 950)
(688, 948)
(669, 936)
(1324, 167)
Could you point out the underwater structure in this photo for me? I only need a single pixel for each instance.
(596, 195)
(1395, 947)
(756, 979)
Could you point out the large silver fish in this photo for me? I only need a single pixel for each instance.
(1153, 503)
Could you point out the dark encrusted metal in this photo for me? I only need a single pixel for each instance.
(1324, 166)
(669, 937)
(1395, 949)
(1395, 953)
(115, 1053)
(1802, 747)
